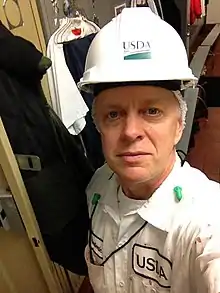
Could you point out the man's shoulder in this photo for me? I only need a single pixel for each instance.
(199, 207)
(201, 186)
(100, 177)
(202, 195)
(99, 181)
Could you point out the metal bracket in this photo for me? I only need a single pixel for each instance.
(28, 162)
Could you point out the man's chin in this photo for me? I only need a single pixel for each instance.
(133, 175)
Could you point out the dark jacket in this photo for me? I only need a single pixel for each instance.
(57, 191)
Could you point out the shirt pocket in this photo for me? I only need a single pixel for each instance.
(96, 274)
(142, 285)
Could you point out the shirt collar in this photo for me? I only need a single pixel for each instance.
(159, 209)
(110, 202)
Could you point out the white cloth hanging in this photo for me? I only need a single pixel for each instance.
(66, 99)
(203, 7)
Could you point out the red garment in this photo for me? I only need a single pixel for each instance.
(195, 10)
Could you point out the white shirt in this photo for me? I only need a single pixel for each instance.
(178, 249)
(66, 99)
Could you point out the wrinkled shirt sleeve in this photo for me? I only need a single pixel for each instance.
(206, 258)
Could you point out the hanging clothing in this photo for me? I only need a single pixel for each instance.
(195, 10)
(57, 189)
(66, 99)
(75, 55)
(11, 48)
(153, 7)
(4, 31)
(172, 14)
(203, 8)
(149, 3)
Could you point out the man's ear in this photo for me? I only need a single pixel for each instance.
(179, 131)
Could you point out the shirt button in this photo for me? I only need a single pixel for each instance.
(121, 284)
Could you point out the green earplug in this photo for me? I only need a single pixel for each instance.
(96, 198)
(178, 192)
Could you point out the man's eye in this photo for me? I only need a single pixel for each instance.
(153, 112)
(113, 115)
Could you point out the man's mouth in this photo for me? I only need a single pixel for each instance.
(133, 157)
(132, 154)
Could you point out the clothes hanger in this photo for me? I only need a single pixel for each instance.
(78, 27)
(95, 18)
(74, 29)
(66, 22)
(76, 11)
(75, 25)
(93, 25)
(75, 15)
(63, 26)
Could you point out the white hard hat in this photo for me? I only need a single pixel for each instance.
(137, 45)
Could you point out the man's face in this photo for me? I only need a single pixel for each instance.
(139, 126)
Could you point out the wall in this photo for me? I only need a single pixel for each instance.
(19, 271)
(213, 11)
(184, 9)
(48, 16)
(105, 9)
(22, 18)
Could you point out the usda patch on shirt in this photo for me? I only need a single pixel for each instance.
(148, 263)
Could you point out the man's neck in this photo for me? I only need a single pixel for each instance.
(144, 190)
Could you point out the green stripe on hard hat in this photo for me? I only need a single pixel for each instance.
(138, 56)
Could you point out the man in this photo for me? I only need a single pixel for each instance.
(154, 221)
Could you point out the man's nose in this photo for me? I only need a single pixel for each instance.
(133, 128)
